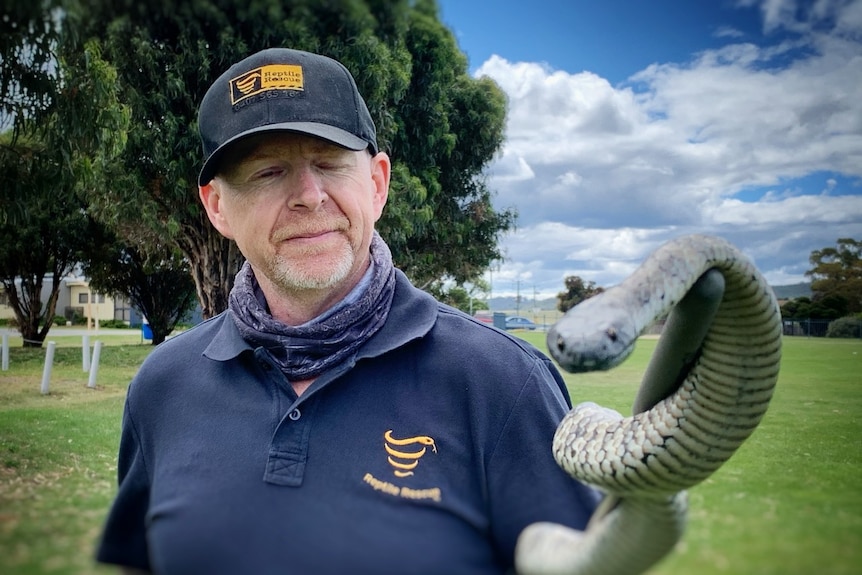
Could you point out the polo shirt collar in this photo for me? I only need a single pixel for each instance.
(227, 342)
(411, 316)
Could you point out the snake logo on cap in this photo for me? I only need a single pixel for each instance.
(271, 77)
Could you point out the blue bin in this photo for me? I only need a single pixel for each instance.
(146, 331)
(500, 320)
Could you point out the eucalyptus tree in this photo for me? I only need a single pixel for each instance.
(577, 290)
(440, 125)
(40, 245)
(154, 278)
(60, 118)
(837, 272)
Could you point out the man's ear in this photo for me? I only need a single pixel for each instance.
(381, 172)
(211, 198)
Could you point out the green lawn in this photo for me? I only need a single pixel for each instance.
(788, 502)
(58, 453)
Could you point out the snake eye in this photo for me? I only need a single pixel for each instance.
(612, 334)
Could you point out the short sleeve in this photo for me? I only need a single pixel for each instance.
(525, 483)
(124, 537)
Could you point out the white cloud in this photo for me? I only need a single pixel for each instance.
(727, 32)
(512, 168)
(797, 210)
(601, 174)
(844, 16)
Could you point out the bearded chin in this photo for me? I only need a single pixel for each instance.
(323, 272)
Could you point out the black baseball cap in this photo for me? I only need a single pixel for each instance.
(279, 89)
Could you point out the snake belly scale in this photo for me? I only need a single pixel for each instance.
(707, 387)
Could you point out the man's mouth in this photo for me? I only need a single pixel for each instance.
(300, 235)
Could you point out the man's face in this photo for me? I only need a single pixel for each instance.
(301, 210)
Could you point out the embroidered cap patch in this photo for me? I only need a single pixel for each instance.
(271, 77)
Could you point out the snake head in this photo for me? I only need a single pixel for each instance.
(592, 336)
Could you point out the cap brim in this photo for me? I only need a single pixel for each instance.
(330, 133)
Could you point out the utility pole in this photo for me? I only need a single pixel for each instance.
(518, 298)
(490, 285)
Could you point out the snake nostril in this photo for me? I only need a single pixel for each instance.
(561, 343)
(612, 333)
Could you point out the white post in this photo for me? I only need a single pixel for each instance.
(94, 367)
(5, 352)
(85, 352)
(49, 361)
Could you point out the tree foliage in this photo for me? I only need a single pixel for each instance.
(577, 290)
(826, 307)
(846, 327)
(60, 100)
(836, 273)
(468, 298)
(44, 242)
(157, 282)
(29, 34)
(28, 83)
(449, 126)
(440, 125)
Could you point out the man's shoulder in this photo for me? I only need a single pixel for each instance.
(183, 358)
(185, 349)
(197, 336)
(417, 313)
(458, 325)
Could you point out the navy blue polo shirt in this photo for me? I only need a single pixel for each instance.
(427, 453)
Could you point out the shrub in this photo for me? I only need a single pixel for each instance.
(59, 320)
(848, 326)
(113, 323)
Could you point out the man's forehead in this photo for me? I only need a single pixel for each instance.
(278, 145)
(280, 142)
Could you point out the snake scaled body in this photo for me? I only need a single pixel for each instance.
(705, 390)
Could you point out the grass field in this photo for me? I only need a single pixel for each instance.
(789, 502)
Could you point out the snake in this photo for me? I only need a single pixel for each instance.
(706, 388)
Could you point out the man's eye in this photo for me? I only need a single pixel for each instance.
(268, 173)
(332, 163)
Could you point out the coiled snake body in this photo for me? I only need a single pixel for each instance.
(705, 390)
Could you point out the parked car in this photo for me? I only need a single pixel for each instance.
(484, 315)
(518, 322)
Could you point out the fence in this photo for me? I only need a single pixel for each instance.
(820, 327)
(852, 328)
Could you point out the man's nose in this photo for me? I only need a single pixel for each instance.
(306, 189)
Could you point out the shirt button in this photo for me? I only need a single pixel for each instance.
(294, 415)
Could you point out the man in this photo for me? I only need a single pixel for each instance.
(335, 419)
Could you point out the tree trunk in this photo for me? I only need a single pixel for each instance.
(50, 306)
(215, 262)
(33, 322)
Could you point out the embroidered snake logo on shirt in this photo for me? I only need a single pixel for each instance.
(403, 453)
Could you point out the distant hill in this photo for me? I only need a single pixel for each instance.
(509, 303)
(792, 291)
(782, 292)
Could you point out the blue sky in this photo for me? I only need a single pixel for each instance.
(634, 121)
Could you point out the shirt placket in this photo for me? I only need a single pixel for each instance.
(288, 451)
